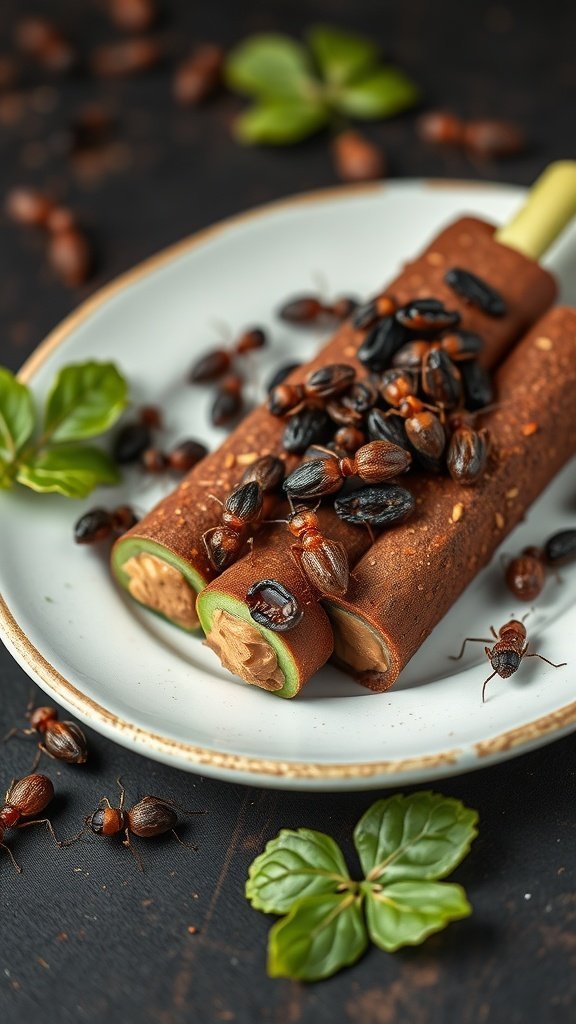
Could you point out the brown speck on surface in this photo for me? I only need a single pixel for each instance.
(512, 493)
(247, 458)
(543, 343)
(436, 259)
(499, 520)
(350, 351)
(230, 460)
(62, 937)
(43, 963)
(529, 428)
(457, 512)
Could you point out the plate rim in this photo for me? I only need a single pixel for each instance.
(509, 743)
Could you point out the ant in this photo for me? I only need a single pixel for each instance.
(151, 816)
(242, 507)
(423, 425)
(64, 741)
(319, 384)
(468, 449)
(322, 561)
(24, 798)
(505, 656)
(373, 463)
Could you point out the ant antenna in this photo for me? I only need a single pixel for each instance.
(486, 681)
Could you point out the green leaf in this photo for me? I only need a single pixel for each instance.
(6, 474)
(294, 865)
(84, 400)
(279, 122)
(422, 836)
(17, 414)
(71, 470)
(382, 94)
(319, 936)
(270, 65)
(341, 56)
(406, 913)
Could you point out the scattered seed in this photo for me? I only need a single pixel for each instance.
(529, 428)
(499, 520)
(457, 511)
(476, 291)
(356, 158)
(543, 343)
(186, 455)
(199, 76)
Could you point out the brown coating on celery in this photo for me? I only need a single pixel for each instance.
(311, 643)
(179, 520)
(407, 581)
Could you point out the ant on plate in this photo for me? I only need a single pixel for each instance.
(510, 649)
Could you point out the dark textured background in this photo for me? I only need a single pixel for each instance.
(85, 937)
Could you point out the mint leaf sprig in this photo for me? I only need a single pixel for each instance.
(406, 844)
(297, 90)
(84, 401)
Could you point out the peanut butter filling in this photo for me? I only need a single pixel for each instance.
(243, 651)
(161, 587)
(355, 645)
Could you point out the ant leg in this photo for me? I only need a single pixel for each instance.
(469, 640)
(486, 681)
(42, 821)
(370, 532)
(12, 857)
(542, 658)
(74, 839)
(122, 794)
(41, 749)
(126, 842)
(214, 498)
(493, 631)
(17, 732)
(189, 846)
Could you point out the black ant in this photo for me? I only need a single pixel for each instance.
(509, 650)
(151, 816)
(64, 741)
(25, 797)
(241, 508)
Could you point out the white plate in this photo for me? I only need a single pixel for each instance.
(156, 690)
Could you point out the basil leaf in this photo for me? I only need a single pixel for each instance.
(85, 399)
(341, 56)
(71, 470)
(422, 836)
(382, 94)
(270, 65)
(17, 414)
(319, 936)
(406, 913)
(279, 122)
(294, 865)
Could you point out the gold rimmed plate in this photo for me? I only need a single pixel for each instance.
(159, 691)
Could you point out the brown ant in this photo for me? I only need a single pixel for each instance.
(26, 797)
(320, 384)
(421, 421)
(241, 508)
(151, 816)
(322, 561)
(509, 650)
(64, 741)
(373, 463)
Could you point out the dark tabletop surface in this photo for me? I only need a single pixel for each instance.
(85, 936)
